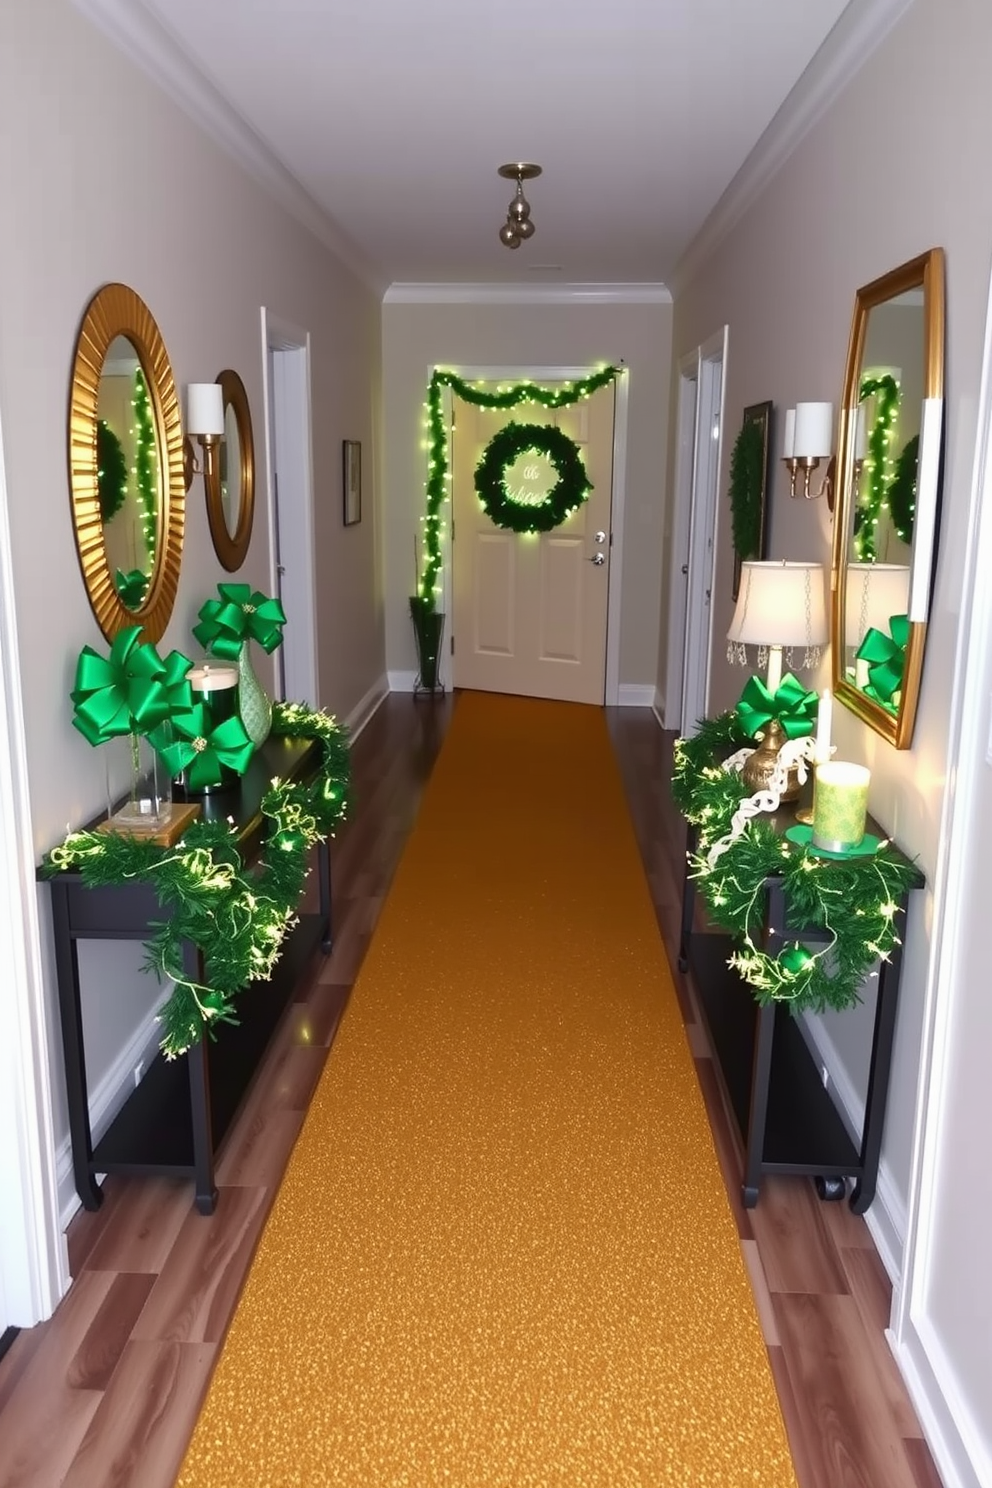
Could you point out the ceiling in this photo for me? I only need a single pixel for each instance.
(394, 116)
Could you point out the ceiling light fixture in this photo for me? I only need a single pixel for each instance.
(518, 225)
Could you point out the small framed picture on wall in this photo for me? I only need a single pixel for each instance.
(352, 469)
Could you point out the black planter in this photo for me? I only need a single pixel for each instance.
(428, 625)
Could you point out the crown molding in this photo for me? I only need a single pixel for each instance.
(143, 39)
(861, 28)
(400, 293)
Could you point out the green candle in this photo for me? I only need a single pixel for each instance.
(840, 805)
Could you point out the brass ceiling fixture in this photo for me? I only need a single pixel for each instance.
(518, 225)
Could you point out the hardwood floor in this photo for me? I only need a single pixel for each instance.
(105, 1394)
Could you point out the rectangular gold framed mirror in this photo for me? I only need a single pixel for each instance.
(888, 495)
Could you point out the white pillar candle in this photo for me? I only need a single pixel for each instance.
(206, 676)
(204, 408)
(824, 718)
(789, 438)
(814, 430)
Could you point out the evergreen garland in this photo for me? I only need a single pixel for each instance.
(111, 471)
(145, 472)
(238, 917)
(438, 462)
(747, 462)
(877, 462)
(901, 495)
(566, 496)
(852, 901)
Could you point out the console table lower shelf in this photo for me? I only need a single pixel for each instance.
(787, 1119)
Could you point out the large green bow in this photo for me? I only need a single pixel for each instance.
(130, 691)
(886, 658)
(202, 750)
(240, 614)
(792, 705)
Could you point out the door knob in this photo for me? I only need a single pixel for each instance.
(598, 558)
(600, 537)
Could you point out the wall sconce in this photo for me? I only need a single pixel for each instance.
(205, 423)
(808, 440)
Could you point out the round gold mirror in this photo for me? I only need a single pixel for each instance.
(231, 499)
(126, 464)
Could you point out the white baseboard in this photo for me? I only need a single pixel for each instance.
(401, 681)
(958, 1468)
(106, 1099)
(365, 710)
(636, 695)
(886, 1219)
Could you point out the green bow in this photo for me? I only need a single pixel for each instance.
(131, 587)
(240, 614)
(792, 705)
(886, 658)
(202, 750)
(127, 692)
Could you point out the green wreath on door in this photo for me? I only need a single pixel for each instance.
(502, 452)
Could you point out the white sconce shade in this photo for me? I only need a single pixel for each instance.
(204, 408)
(813, 431)
(789, 438)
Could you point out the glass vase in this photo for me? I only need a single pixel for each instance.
(254, 705)
(146, 806)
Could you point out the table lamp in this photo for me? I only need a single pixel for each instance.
(781, 608)
(874, 592)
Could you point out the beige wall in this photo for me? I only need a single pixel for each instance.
(890, 171)
(418, 337)
(102, 178)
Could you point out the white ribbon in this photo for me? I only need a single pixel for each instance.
(794, 753)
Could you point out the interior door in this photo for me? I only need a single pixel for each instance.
(702, 533)
(529, 610)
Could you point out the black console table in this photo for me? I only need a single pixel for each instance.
(787, 1118)
(175, 1120)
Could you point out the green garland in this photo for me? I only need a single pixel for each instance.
(145, 473)
(237, 917)
(747, 460)
(111, 471)
(506, 447)
(438, 459)
(854, 901)
(877, 461)
(901, 495)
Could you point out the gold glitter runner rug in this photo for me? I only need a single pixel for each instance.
(502, 1255)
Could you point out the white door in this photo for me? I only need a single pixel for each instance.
(702, 532)
(287, 428)
(529, 611)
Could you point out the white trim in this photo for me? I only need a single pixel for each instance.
(34, 1262)
(365, 710)
(156, 51)
(678, 580)
(636, 695)
(401, 681)
(914, 1343)
(862, 27)
(400, 293)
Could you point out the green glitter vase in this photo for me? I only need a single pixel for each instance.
(254, 705)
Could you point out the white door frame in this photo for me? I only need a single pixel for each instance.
(286, 396)
(702, 524)
(678, 578)
(34, 1262)
(959, 1442)
(617, 496)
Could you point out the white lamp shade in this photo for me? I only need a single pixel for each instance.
(874, 593)
(814, 430)
(780, 604)
(204, 408)
(789, 438)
